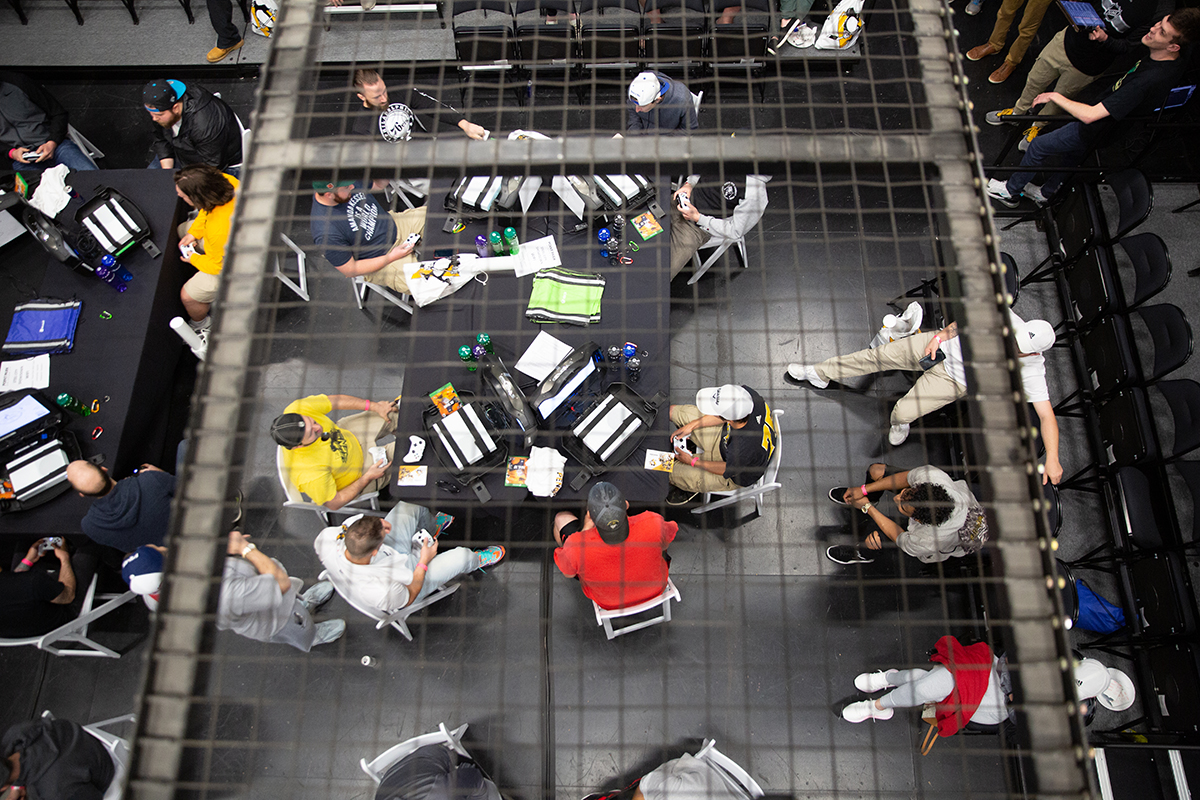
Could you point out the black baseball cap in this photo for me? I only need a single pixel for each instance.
(161, 95)
(288, 430)
(606, 505)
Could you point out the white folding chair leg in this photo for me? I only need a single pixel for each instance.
(698, 268)
(398, 300)
(300, 288)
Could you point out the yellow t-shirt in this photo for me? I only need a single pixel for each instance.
(323, 468)
(213, 228)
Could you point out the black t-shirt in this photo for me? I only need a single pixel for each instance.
(1138, 92)
(718, 199)
(1125, 22)
(430, 115)
(359, 228)
(747, 450)
(25, 607)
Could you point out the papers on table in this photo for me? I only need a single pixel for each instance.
(537, 255)
(412, 476)
(542, 356)
(26, 373)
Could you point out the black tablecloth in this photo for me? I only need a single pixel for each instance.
(636, 308)
(129, 358)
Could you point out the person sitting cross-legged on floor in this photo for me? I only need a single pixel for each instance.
(733, 429)
(387, 564)
(944, 518)
(620, 560)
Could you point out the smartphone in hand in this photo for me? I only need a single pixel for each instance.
(927, 362)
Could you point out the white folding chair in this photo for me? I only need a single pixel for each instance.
(698, 269)
(766, 483)
(76, 631)
(711, 754)
(398, 619)
(605, 616)
(281, 262)
(360, 285)
(696, 100)
(379, 766)
(90, 150)
(366, 503)
(402, 188)
(118, 749)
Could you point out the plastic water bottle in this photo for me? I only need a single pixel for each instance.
(496, 243)
(467, 357)
(108, 276)
(481, 246)
(511, 241)
(116, 266)
(486, 341)
(69, 402)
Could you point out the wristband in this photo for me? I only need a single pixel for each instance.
(866, 509)
(423, 565)
(695, 460)
(246, 550)
(27, 562)
(863, 489)
(10, 154)
(368, 405)
(938, 338)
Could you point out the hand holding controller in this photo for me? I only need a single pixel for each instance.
(31, 156)
(378, 455)
(682, 200)
(412, 240)
(49, 544)
(423, 538)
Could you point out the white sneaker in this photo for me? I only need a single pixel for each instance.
(872, 682)
(329, 631)
(1034, 193)
(865, 710)
(807, 372)
(201, 326)
(897, 434)
(998, 191)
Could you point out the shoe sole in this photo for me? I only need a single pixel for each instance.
(1006, 204)
(678, 503)
(999, 121)
(994, 82)
(982, 57)
(838, 499)
(848, 563)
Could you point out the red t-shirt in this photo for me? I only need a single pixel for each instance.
(620, 575)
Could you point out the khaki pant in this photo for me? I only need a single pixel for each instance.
(695, 479)
(366, 426)
(686, 239)
(934, 389)
(394, 275)
(1052, 66)
(1031, 20)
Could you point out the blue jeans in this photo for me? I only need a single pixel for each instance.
(67, 153)
(1064, 147)
(406, 519)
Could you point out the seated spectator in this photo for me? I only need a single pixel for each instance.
(128, 513)
(358, 237)
(620, 560)
(435, 772)
(946, 381)
(213, 194)
(944, 518)
(1136, 93)
(192, 126)
(384, 565)
(258, 599)
(968, 684)
(33, 127)
(733, 429)
(328, 462)
(427, 110)
(661, 104)
(696, 225)
(54, 758)
(683, 778)
(34, 600)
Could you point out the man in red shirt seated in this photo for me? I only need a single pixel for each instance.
(620, 560)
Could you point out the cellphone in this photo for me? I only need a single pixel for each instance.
(927, 362)
(443, 253)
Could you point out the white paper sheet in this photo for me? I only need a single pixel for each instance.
(537, 255)
(542, 356)
(27, 373)
(562, 187)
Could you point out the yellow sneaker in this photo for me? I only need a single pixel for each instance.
(1028, 137)
(220, 53)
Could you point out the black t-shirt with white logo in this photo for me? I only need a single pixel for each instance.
(747, 450)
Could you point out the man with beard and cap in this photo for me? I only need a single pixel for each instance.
(659, 104)
(620, 560)
(53, 758)
(712, 214)
(191, 126)
(425, 113)
(946, 380)
(328, 462)
(128, 513)
(732, 434)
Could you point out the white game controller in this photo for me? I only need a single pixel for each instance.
(412, 240)
(424, 538)
(416, 449)
(187, 250)
(683, 202)
(378, 455)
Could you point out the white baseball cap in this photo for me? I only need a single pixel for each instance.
(645, 89)
(1036, 336)
(1111, 687)
(730, 401)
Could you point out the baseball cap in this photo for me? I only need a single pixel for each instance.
(143, 571)
(1036, 336)
(645, 89)
(730, 401)
(606, 505)
(162, 94)
(324, 185)
(288, 430)
(1111, 687)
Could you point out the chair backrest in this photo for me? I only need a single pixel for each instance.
(1138, 503)
(1151, 262)
(1183, 396)
(1012, 277)
(289, 489)
(772, 471)
(1190, 472)
(711, 754)
(1135, 200)
(697, 99)
(1054, 508)
(458, 7)
(381, 618)
(1172, 337)
(586, 6)
(379, 766)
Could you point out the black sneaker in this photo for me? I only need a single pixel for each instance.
(680, 497)
(837, 493)
(846, 554)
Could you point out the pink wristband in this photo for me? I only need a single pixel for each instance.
(695, 460)
(368, 405)
(423, 566)
(27, 562)
(863, 489)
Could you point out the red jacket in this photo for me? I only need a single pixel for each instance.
(971, 666)
(620, 575)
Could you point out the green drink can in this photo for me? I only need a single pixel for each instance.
(486, 341)
(497, 243)
(511, 241)
(468, 358)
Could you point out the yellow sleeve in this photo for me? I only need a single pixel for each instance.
(216, 239)
(310, 406)
(199, 224)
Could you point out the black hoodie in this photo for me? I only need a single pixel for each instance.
(59, 760)
(208, 133)
(136, 512)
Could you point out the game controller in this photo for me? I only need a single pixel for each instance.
(31, 156)
(187, 250)
(682, 201)
(416, 449)
(486, 134)
(424, 538)
(412, 240)
(378, 455)
(49, 544)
